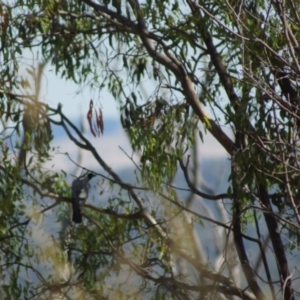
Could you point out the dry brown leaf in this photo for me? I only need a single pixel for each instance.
(100, 123)
(4, 23)
(89, 117)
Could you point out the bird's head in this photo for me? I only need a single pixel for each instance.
(91, 175)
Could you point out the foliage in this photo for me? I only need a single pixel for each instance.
(171, 66)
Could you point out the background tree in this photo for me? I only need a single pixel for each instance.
(222, 64)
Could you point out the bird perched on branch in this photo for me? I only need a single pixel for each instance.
(80, 192)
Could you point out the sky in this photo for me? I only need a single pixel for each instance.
(75, 103)
(73, 98)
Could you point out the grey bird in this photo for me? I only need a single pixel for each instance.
(80, 192)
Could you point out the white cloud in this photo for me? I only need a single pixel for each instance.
(107, 146)
(211, 147)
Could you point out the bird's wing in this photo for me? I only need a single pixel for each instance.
(80, 192)
(80, 188)
(75, 185)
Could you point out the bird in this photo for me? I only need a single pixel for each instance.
(80, 192)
